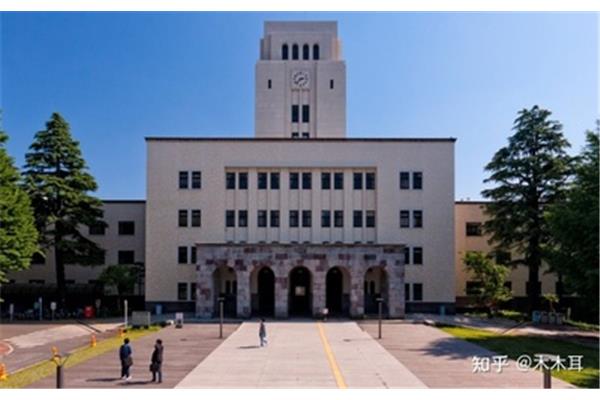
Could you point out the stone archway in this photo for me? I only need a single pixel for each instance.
(225, 285)
(376, 285)
(262, 284)
(337, 291)
(300, 292)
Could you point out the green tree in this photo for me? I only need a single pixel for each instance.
(58, 183)
(574, 227)
(529, 175)
(490, 277)
(18, 236)
(122, 277)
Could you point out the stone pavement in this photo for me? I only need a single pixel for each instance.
(305, 354)
(184, 349)
(442, 361)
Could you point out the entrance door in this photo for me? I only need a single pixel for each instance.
(334, 289)
(300, 296)
(266, 292)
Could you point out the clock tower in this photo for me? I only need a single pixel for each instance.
(300, 82)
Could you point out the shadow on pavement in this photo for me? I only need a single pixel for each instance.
(248, 347)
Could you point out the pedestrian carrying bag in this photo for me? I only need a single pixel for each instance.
(128, 361)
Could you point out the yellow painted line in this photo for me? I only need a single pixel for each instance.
(335, 369)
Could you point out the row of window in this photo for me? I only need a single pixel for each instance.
(123, 257)
(417, 292)
(359, 218)
(296, 113)
(285, 52)
(191, 218)
(190, 180)
(417, 219)
(126, 228)
(186, 255)
(473, 229)
(182, 291)
(302, 180)
(405, 181)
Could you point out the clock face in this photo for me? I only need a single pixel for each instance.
(300, 79)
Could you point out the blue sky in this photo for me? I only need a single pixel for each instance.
(120, 77)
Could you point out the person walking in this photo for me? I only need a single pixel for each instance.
(156, 361)
(126, 357)
(262, 333)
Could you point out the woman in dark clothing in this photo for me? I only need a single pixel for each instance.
(156, 361)
(125, 355)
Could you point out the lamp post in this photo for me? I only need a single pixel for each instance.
(380, 311)
(221, 300)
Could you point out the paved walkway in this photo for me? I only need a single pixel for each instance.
(184, 349)
(301, 355)
(442, 361)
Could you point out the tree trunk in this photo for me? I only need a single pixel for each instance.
(61, 287)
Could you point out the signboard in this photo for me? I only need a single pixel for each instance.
(140, 318)
(179, 320)
(53, 306)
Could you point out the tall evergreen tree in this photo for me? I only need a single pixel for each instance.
(574, 227)
(58, 183)
(18, 236)
(529, 175)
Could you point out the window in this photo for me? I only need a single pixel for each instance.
(305, 52)
(358, 180)
(325, 219)
(325, 180)
(370, 180)
(338, 181)
(294, 180)
(196, 218)
(417, 219)
(242, 181)
(193, 290)
(97, 229)
(275, 180)
(229, 218)
(295, 112)
(38, 258)
(508, 285)
(294, 219)
(306, 180)
(404, 219)
(242, 218)
(182, 291)
(407, 255)
(269, 84)
(182, 255)
(102, 256)
(407, 292)
(473, 228)
(502, 257)
(37, 281)
(305, 135)
(230, 180)
(262, 180)
(193, 255)
(306, 218)
(357, 219)
(472, 288)
(262, 218)
(338, 218)
(404, 180)
(284, 52)
(331, 84)
(305, 113)
(315, 52)
(417, 291)
(126, 228)
(417, 256)
(370, 219)
(295, 135)
(417, 180)
(183, 218)
(196, 180)
(295, 52)
(126, 257)
(183, 179)
(274, 218)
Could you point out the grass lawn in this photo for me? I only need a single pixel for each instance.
(514, 346)
(43, 369)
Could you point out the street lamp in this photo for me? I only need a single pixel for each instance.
(380, 311)
(221, 300)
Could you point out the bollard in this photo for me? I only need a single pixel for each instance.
(3, 374)
(93, 341)
(59, 376)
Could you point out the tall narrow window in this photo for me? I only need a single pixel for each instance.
(284, 52)
(295, 135)
(357, 219)
(325, 218)
(404, 219)
(406, 291)
(417, 291)
(274, 218)
(196, 218)
(316, 54)
(417, 255)
(305, 135)
(262, 180)
(262, 218)
(306, 180)
(305, 52)
(338, 181)
(182, 255)
(196, 180)
(126, 257)
(295, 52)
(182, 291)
(338, 218)
(295, 112)
(358, 181)
(230, 180)
(306, 218)
(294, 222)
(331, 84)
(325, 180)
(370, 180)
(126, 228)
(183, 179)
(242, 218)
(294, 180)
(269, 84)
(370, 220)
(305, 113)
(275, 180)
(183, 219)
(193, 255)
(230, 218)
(417, 180)
(406, 255)
(404, 180)
(242, 180)
(417, 219)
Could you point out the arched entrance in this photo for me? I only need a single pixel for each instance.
(225, 286)
(375, 286)
(337, 288)
(262, 283)
(300, 292)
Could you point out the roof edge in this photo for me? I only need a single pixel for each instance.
(294, 140)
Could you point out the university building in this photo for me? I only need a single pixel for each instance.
(300, 217)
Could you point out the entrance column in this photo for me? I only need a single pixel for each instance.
(281, 291)
(357, 292)
(243, 294)
(395, 273)
(204, 291)
(318, 291)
